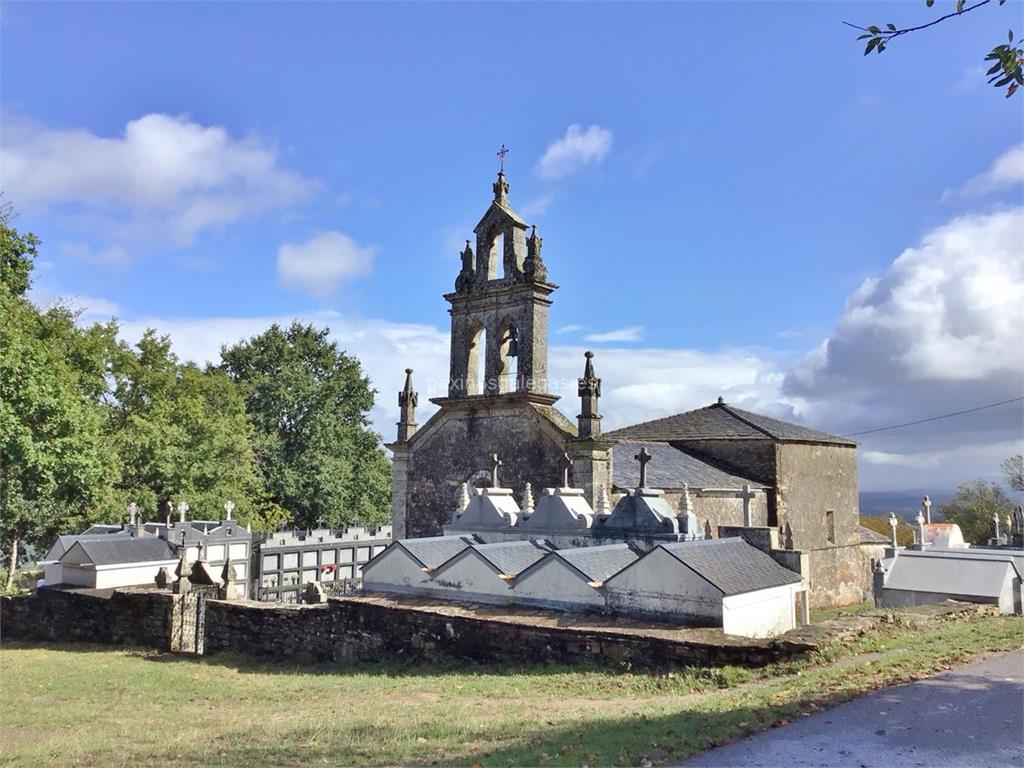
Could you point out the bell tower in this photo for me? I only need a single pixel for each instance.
(499, 310)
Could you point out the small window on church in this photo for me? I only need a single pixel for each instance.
(830, 526)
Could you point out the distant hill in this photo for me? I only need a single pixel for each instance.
(904, 503)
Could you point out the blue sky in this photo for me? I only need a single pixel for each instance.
(737, 172)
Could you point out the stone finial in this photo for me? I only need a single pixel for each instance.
(893, 523)
(926, 507)
(500, 188)
(408, 399)
(463, 500)
(182, 509)
(685, 502)
(708, 533)
(227, 578)
(133, 513)
(643, 457)
(528, 499)
(229, 507)
(533, 264)
(602, 504)
(495, 464)
(920, 528)
(162, 578)
(995, 524)
(183, 571)
(464, 281)
(721, 400)
(589, 390)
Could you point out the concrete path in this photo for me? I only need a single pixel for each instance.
(971, 716)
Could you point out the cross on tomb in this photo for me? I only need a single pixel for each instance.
(926, 505)
(133, 511)
(746, 494)
(229, 507)
(501, 157)
(565, 463)
(893, 522)
(182, 509)
(643, 457)
(495, 463)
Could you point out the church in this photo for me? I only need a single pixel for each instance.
(730, 470)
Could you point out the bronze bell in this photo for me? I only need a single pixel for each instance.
(513, 343)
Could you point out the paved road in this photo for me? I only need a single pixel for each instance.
(971, 716)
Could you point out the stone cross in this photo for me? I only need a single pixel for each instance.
(995, 521)
(643, 457)
(495, 463)
(182, 509)
(926, 505)
(746, 494)
(501, 157)
(565, 463)
(893, 522)
(133, 512)
(229, 507)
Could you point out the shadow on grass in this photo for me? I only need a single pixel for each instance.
(699, 678)
(673, 738)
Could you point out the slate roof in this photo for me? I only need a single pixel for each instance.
(868, 536)
(732, 565)
(670, 467)
(108, 551)
(512, 557)
(599, 563)
(721, 421)
(434, 550)
(949, 573)
(67, 541)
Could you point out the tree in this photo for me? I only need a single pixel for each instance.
(1013, 470)
(1008, 69)
(182, 434)
(55, 464)
(880, 524)
(309, 404)
(973, 506)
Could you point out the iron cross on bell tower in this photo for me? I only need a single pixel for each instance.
(501, 158)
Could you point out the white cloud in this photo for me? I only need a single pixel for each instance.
(576, 150)
(570, 329)
(111, 255)
(1007, 171)
(320, 265)
(164, 175)
(92, 309)
(939, 332)
(631, 333)
(537, 206)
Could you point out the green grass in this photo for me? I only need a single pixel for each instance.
(92, 706)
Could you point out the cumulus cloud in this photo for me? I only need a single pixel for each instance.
(939, 332)
(163, 174)
(630, 333)
(576, 150)
(320, 265)
(1007, 171)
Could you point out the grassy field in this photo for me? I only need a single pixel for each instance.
(91, 706)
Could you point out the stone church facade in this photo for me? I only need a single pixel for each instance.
(727, 466)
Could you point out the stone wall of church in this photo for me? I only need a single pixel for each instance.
(458, 449)
(813, 481)
(840, 576)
